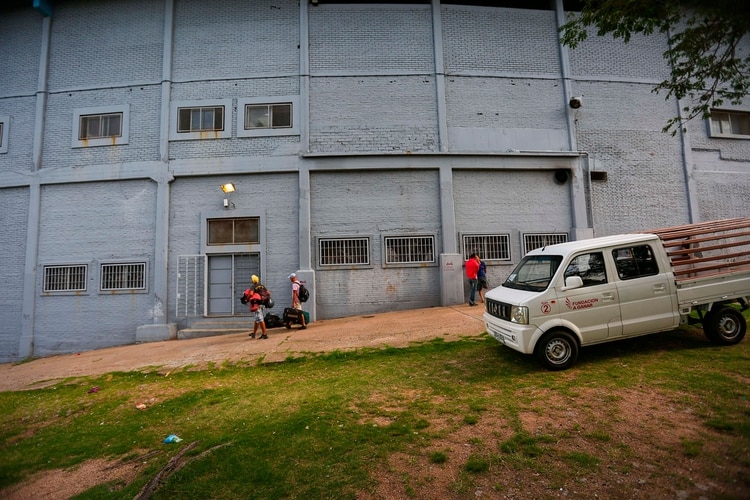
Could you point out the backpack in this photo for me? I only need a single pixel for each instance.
(303, 293)
(265, 295)
(246, 296)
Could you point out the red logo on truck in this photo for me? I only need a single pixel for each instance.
(581, 304)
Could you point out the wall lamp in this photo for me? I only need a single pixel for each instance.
(228, 188)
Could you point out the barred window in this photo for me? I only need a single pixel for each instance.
(123, 276)
(487, 246)
(538, 240)
(344, 251)
(409, 249)
(65, 278)
(239, 231)
(200, 119)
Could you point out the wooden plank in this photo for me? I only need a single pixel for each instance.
(686, 274)
(676, 232)
(708, 238)
(700, 249)
(696, 249)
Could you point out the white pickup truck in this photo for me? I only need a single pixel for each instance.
(565, 296)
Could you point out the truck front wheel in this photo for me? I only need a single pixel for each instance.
(557, 350)
(725, 326)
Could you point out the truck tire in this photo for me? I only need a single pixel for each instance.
(557, 350)
(725, 326)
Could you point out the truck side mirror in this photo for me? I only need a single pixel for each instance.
(572, 282)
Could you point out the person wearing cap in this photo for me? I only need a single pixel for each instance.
(257, 308)
(296, 303)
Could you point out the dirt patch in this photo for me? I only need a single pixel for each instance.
(66, 483)
(617, 449)
(395, 329)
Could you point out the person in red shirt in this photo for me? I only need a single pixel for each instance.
(472, 267)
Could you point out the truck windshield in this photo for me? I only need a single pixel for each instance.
(534, 273)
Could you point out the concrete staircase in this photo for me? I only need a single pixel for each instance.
(218, 326)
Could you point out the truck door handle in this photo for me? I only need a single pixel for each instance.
(608, 296)
(660, 287)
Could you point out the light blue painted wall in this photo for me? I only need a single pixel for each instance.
(14, 204)
(271, 195)
(25, 25)
(373, 205)
(105, 44)
(93, 223)
(374, 96)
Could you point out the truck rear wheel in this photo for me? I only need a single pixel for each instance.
(557, 350)
(725, 326)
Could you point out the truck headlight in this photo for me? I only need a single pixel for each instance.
(519, 314)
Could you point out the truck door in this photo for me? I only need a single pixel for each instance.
(593, 308)
(646, 299)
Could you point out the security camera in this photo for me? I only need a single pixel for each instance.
(576, 102)
(561, 176)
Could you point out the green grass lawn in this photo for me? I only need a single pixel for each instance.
(318, 427)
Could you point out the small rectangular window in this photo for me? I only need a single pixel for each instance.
(268, 116)
(239, 231)
(634, 262)
(100, 126)
(65, 278)
(200, 119)
(343, 251)
(589, 267)
(487, 246)
(539, 240)
(730, 123)
(409, 249)
(123, 276)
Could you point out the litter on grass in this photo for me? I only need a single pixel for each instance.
(172, 439)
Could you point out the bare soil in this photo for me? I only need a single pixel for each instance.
(395, 329)
(640, 423)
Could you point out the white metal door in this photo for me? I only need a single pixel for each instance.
(228, 276)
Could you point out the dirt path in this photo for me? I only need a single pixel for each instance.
(396, 329)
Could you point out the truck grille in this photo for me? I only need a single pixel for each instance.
(497, 309)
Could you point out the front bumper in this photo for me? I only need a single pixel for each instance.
(513, 335)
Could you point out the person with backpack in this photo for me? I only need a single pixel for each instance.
(258, 296)
(299, 295)
(481, 278)
(259, 310)
(265, 293)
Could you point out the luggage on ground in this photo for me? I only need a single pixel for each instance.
(294, 317)
(273, 321)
